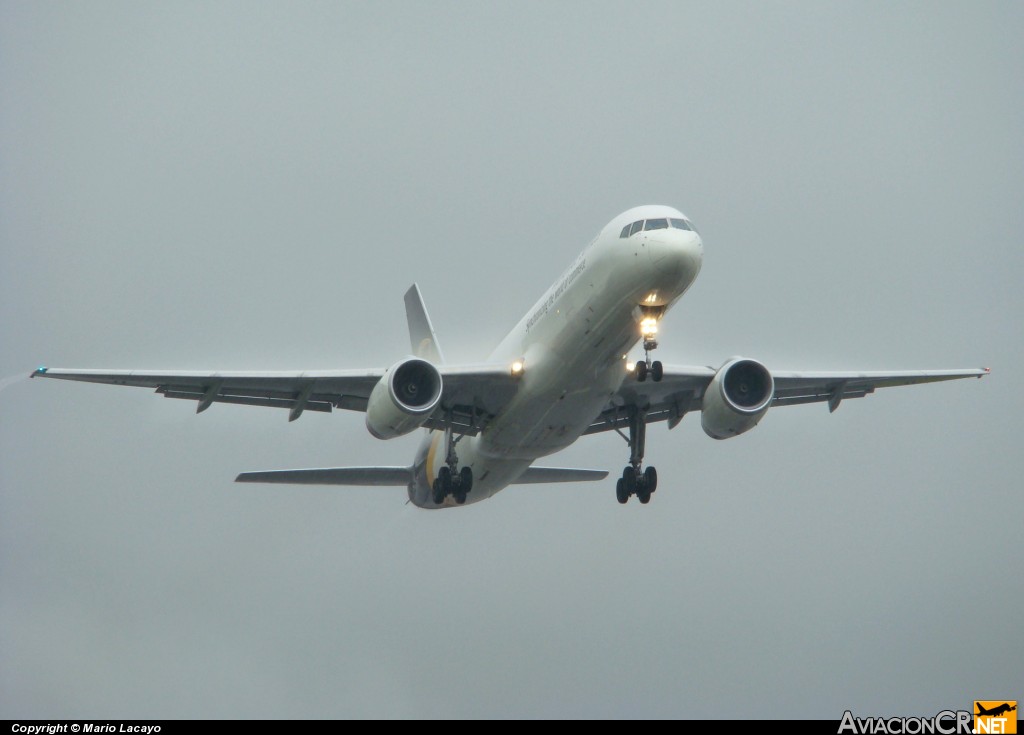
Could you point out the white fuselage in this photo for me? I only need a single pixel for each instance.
(573, 345)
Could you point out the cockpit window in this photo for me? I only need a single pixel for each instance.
(657, 224)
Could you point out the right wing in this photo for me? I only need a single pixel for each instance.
(472, 394)
(682, 390)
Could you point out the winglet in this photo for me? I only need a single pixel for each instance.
(41, 370)
(421, 331)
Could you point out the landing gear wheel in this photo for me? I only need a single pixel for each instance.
(620, 492)
(629, 480)
(641, 371)
(465, 480)
(657, 371)
(444, 476)
(438, 492)
(460, 496)
(650, 480)
(643, 495)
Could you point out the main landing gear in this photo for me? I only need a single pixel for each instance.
(634, 480)
(450, 479)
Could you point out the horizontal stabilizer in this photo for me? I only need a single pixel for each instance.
(362, 476)
(536, 475)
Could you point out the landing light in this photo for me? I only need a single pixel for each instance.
(648, 326)
(651, 297)
(517, 368)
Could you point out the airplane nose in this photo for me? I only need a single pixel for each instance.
(679, 251)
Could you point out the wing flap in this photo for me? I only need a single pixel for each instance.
(250, 401)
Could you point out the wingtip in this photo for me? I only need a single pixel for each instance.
(41, 370)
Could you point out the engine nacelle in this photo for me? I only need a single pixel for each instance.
(736, 399)
(403, 399)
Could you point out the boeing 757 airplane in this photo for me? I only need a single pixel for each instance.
(561, 373)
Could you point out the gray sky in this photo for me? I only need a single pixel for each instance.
(254, 185)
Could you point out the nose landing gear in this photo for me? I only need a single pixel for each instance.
(645, 368)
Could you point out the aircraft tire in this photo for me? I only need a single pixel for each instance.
(657, 371)
(641, 371)
(629, 480)
(438, 492)
(466, 480)
(620, 492)
(643, 495)
(651, 480)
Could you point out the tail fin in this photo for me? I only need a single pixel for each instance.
(421, 331)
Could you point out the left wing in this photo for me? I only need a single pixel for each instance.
(682, 390)
(472, 394)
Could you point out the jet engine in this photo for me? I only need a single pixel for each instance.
(403, 399)
(736, 399)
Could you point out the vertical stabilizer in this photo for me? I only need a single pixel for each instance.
(421, 331)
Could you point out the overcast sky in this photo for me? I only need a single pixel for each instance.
(255, 185)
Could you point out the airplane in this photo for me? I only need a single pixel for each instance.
(996, 711)
(563, 372)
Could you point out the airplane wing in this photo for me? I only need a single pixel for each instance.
(682, 390)
(472, 394)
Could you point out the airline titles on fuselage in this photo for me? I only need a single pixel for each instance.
(543, 309)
